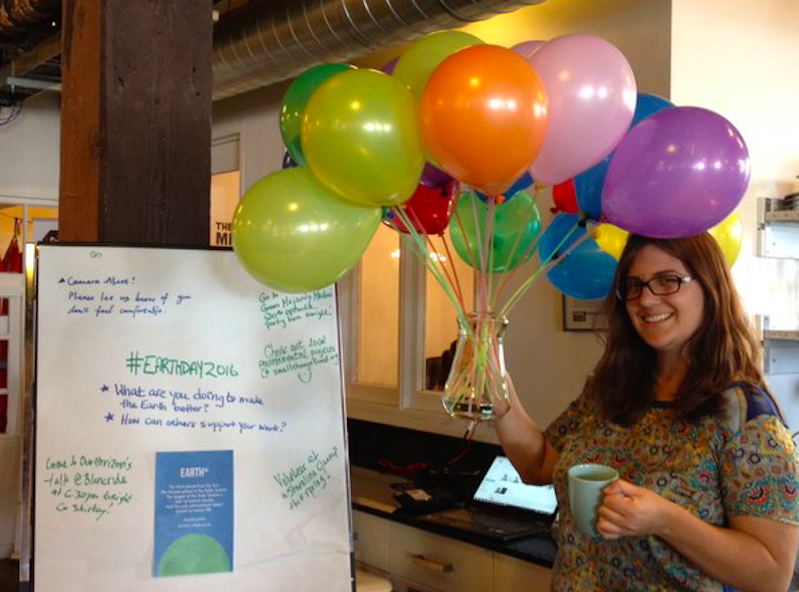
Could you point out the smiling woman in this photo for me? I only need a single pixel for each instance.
(706, 498)
(664, 314)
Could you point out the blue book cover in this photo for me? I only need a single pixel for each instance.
(193, 513)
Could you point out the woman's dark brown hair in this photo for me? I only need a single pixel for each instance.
(723, 350)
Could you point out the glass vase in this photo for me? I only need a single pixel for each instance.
(477, 385)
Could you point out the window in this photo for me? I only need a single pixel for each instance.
(400, 326)
(378, 313)
(441, 323)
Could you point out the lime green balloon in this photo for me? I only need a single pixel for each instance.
(294, 102)
(516, 225)
(361, 138)
(423, 56)
(194, 554)
(292, 234)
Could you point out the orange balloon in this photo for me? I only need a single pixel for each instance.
(484, 116)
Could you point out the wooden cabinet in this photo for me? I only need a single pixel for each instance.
(371, 535)
(439, 562)
(511, 575)
(419, 561)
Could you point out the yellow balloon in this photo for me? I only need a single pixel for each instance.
(611, 239)
(293, 234)
(729, 234)
(424, 55)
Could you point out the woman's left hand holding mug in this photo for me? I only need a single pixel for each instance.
(629, 510)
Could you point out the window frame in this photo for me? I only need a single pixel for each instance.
(410, 404)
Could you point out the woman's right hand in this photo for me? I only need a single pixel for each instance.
(524, 442)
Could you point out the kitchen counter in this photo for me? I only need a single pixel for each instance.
(373, 493)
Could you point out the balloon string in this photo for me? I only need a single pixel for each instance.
(472, 258)
(531, 249)
(506, 281)
(546, 265)
(438, 256)
(433, 263)
(490, 249)
(417, 222)
(430, 264)
(482, 260)
(454, 269)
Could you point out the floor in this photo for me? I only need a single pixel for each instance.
(9, 578)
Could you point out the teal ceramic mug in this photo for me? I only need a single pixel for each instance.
(586, 482)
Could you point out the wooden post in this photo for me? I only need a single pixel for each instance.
(136, 122)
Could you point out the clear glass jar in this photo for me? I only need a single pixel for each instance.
(477, 385)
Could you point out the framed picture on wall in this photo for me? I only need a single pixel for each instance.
(582, 315)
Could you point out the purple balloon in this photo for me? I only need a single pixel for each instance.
(433, 177)
(678, 173)
(388, 68)
(527, 48)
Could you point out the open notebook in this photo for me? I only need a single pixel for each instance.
(502, 507)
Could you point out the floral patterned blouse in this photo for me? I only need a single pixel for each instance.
(741, 464)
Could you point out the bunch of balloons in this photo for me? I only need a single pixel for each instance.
(459, 138)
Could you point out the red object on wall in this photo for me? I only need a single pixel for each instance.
(11, 263)
(3, 413)
(12, 260)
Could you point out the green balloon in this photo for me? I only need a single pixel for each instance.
(294, 105)
(516, 225)
(194, 554)
(294, 235)
(422, 57)
(361, 137)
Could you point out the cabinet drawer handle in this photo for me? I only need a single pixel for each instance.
(431, 564)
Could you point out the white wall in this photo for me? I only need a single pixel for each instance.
(254, 117)
(739, 58)
(30, 145)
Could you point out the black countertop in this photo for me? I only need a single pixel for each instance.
(373, 493)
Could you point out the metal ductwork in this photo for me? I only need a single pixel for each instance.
(18, 16)
(270, 41)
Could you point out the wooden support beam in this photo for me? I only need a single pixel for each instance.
(136, 122)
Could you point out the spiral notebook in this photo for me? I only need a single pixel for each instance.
(502, 507)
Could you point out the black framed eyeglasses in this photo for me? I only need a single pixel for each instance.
(661, 285)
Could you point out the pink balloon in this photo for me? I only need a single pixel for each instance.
(592, 95)
(527, 48)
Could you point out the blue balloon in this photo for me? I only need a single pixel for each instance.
(519, 184)
(588, 185)
(587, 272)
(588, 188)
(647, 105)
(561, 225)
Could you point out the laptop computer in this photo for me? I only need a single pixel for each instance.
(502, 507)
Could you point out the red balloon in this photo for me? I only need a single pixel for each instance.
(565, 197)
(429, 209)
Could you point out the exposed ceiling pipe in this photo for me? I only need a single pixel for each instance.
(18, 16)
(271, 41)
